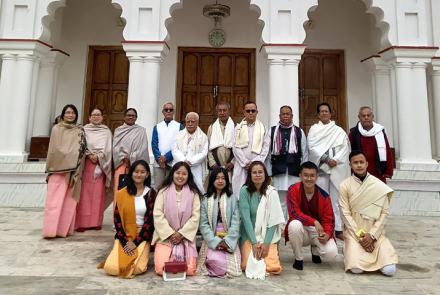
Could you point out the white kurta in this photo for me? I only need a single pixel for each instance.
(195, 152)
(244, 156)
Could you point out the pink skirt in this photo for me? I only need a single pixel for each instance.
(90, 211)
(216, 261)
(60, 208)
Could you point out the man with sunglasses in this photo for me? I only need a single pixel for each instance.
(252, 141)
(164, 137)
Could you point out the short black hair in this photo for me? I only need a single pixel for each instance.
(308, 165)
(286, 106)
(96, 108)
(250, 102)
(131, 187)
(356, 153)
(323, 104)
(130, 109)
(71, 106)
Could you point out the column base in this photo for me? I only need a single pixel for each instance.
(418, 165)
(13, 158)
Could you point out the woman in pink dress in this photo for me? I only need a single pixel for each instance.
(64, 165)
(97, 175)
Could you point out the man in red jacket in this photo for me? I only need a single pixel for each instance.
(311, 219)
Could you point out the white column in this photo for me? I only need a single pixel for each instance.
(291, 83)
(283, 63)
(6, 96)
(436, 103)
(413, 114)
(145, 59)
(46, 91)
(276, 89)
(20, 105)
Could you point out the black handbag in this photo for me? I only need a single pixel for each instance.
(123, 180)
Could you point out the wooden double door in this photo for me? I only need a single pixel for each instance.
(207, 76)
(322, 79)
(107, 84)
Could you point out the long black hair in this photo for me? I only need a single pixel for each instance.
(131, 187)
(250, 185)
(74, 109)
(190, 182)
(212, 191)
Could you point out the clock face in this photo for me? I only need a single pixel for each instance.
(217, 38)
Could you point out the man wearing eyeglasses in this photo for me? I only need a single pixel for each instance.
(252, 141)
(164, 137)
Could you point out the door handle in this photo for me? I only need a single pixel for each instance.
(215, 91)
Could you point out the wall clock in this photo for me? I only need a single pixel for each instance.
(217, 38)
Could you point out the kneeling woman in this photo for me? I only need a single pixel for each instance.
(262, 219)
(176, 219)
(220, 227)
(133, 217)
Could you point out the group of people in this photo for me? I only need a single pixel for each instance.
(242, 186)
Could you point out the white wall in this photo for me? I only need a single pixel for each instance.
(82, 23)
(191, 28)
(343, 24)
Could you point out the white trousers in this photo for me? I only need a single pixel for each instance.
(388, 270)
(325, 183)
(301, 236)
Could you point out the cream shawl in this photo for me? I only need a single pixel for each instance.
(66, 152)
(242, 136)
(197, 143)
(99, 142)
(218, 139)
(329, 137)
(130, 141)
(269, 213)
(369, 199)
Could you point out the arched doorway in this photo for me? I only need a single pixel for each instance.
(207, 75)
(338, 36)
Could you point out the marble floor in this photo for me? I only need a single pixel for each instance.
(32, 265)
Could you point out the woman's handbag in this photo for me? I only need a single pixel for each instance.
(175, 270)
(123, 180)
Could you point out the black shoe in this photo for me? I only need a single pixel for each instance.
(298, 265)
(316, 259)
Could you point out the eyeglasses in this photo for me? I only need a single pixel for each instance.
(250, 111)
(168, 110)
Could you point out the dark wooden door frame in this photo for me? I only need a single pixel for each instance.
(179, 84)
(343, 121)
(89, 78)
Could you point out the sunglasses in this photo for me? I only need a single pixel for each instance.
(250, 111)
(168, 110)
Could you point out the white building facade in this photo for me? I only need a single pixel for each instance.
(122, 53)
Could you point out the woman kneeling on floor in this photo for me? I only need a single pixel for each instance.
(176, 219)
(133, 217)
(220, 227)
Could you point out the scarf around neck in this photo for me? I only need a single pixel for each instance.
(377, 132)
(277, 144)
(242, 136)
(218, 139)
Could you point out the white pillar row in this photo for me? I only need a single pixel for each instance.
(435, 74)
(17, 90)
(145, 59)
(382, 101)
(46, 91)
(283, 60)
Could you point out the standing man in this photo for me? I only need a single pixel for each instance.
(328, 149)
(311, 219)
(365, 203)
(221, 139)
(191, 146)
(288, 150)
(370, 138)
(252, 142)
(164, 136)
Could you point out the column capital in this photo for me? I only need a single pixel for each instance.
(283, 51)
(377, 65)
(146, 49)
(408, 54)
(8, 57)
(27, 57)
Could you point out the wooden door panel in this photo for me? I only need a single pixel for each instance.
(322, 79)
(204, 72)
(107, 84)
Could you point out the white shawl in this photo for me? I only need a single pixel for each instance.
(218, 139)
(196, 144)
(242, 136)
(377, 132)
(325, 137)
